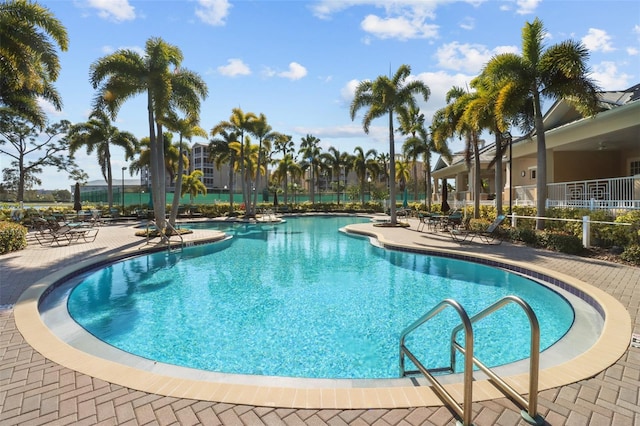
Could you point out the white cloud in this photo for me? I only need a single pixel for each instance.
(468, 23)
(468, 57)
(234, 68)
(401, 28)
(597, 41)
(49, 108)
(526, 7)
(606, 74)
(295, 72)
(347, 92)
(213, 12)
(116, 10)
(632, 51)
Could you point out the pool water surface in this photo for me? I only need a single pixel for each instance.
(301, 299)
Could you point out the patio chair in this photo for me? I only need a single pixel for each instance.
(50, 232)
(489, 235)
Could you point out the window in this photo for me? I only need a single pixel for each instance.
(634, 167)
(532, 174)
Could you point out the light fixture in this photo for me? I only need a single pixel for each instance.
(602, 146)
(523, 173)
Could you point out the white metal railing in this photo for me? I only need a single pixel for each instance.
(614, 193)
(586, 224)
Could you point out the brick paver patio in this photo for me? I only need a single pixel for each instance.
(34, 390)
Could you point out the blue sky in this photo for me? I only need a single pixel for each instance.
(298, 62)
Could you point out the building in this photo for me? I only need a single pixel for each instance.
(592, 162)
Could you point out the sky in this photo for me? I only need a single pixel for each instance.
(298, 62)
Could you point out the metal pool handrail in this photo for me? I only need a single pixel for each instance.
(464, 411)
(531, 406)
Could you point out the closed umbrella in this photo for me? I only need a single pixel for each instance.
(77, 203)
(405, 203)
(445, 205)
(275, 199)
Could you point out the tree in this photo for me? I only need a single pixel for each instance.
(310, 151)
(412, 124)
(187, 128)
(220, 152)
(192, 185)
(239, 122)
(363, 164)
(386, 96)
(334, 160)
(557, 72)
(99, 134)
(168, 87)
(450, 121)
(28, 61)
(31, 150)
(285, 167)
(265, 135)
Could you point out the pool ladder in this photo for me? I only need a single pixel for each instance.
(166, 238)
(464, 411)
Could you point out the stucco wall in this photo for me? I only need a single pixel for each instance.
(576, 165)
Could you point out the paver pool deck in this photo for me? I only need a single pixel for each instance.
(35, 390)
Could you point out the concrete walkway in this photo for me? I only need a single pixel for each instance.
(34, 390)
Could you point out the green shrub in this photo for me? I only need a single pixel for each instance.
(13, 237)
(526, 235)
(562, 242)
(631, 254)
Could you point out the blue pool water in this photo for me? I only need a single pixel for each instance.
(302, 299)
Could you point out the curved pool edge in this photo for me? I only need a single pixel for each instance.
(610, 346)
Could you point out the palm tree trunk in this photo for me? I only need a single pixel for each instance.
(392, 172)
(177, 191)
(109, 185)
(498, 176)
(541, 173)
(161, 207)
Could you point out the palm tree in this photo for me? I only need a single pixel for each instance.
(334, 160)
(412, 124)
(265, 134)
(187, 128)
(450, 121)
(192, 185)
(168, 87)
(558, 72)
(220, 152)
(28, 60)
(383, 166)
(386, 96)
(363, 163)
(239, 122)
(403, 174)
(99, 134)
(285, 167)
(310, 151)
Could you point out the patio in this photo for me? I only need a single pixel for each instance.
(34, 390)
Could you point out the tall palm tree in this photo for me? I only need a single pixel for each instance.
(192, 184)
(99, 134)
(220, 152)
(187, 128)
(412, 125)
(310, 151)
(386, 96)
(558, 72)
(403, 174)
(363, 163)
(28, 61)
(265, 134)
(168, 86)
(451, 121)
(240, 123)
(286, 167)
(383, 166)
(334, 160)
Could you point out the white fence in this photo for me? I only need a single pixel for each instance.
(609, 194)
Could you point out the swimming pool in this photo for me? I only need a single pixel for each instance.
(320, 304)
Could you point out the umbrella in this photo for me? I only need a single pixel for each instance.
(405, 203)
(275, 199)
(445, 205)
(77, 203)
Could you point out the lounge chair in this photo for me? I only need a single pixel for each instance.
(489, 235)
(50, 232)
